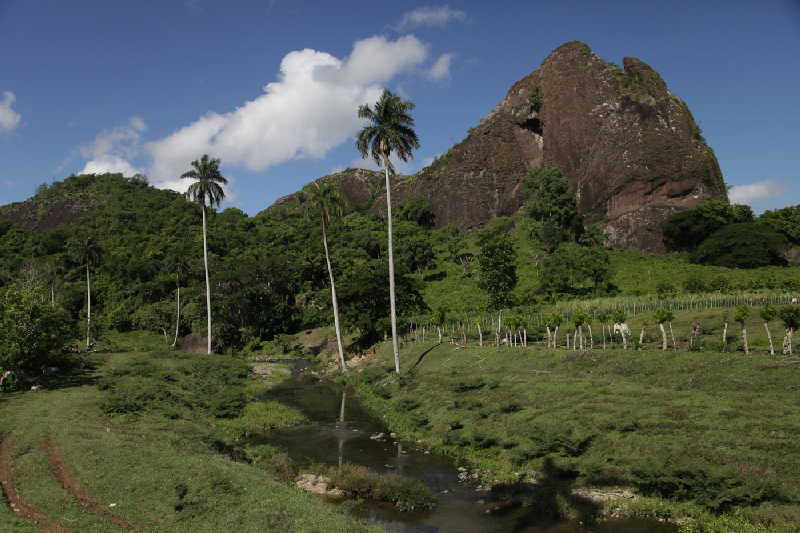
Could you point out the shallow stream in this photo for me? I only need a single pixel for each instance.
(341, 432)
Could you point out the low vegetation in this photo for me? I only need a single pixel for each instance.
(611, 418)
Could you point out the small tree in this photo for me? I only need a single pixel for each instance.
(579, 319)
(790, 316)
(32, 332)
(662, 316)
(498, 269)
(603, 317)
(552, 322)
(768, 314)
(741, 316)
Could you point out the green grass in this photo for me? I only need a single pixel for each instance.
(719, 431)
(160, 471)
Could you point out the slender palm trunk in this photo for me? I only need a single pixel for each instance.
(663, 336)
(334, 300)
(604, 336)
(393, 310)
(480, 335)
(591, 337)
(555, 337)
(769, 336)
(208, 283)
(178, 310)
(88, 307)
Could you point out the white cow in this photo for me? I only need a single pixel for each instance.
(622, 329)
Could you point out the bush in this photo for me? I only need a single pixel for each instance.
(717, 491)
(406, 494)
(33, 333)
(746, 245)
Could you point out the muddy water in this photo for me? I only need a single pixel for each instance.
(341, 433)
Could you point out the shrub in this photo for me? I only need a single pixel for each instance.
(406, 494)
(746, 245)
(32, 333)
(468, 385)
(718, 491)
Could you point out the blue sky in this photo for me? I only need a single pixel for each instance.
(271, 86)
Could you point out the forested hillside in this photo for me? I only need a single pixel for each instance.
(268, 272)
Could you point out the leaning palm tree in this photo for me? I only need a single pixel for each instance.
(389, 129)
(325, 196)
(87, 252)
(206, 191)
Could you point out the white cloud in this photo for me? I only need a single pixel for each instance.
(9, 119)
(430, 16)
(440, 69)
(309, 110)
(755, 192)
(112, 150)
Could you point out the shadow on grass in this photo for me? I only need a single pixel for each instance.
(423, 354)
(549, 501)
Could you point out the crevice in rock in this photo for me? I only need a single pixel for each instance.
(533, 125)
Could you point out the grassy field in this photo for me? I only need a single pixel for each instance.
(154, 470)
(455, 286)
(705, 433)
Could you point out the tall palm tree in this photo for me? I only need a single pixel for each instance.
(325, 196)
(87, 252)
(206, 191)
(389, 129)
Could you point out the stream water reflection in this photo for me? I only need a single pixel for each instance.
(341, 431)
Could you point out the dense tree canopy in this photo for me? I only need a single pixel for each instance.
(745, 245)
(685, 231)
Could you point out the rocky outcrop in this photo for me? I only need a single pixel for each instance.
(630, 148)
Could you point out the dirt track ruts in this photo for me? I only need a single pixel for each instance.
(84, 499)
(15, 500)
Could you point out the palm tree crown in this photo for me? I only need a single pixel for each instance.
(326, 197)
(206, 190)
(389, 129)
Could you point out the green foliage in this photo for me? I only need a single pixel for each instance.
(417, 210)
(742, 313)
(790, 316)
(662, 315)
(389, 129)
(744, 245)
(551, 204)
(407, 494)
(32, 332)
(619, 316)
(687, 229)
(212, 384)
(260, 416)
(768, 313)
(575, 269)
(665, 289)
(786, 221)
(498, 270)
(718, 491)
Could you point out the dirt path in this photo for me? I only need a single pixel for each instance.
(71, 485)
(15, 501)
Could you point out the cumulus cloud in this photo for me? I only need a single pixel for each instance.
(9, 119)
(309, 110)
(112, 150)
(755, 192)
(430, 16)
(440, 69)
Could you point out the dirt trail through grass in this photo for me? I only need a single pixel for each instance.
(84, 499)
(15, 500)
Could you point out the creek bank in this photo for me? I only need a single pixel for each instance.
(343, 435)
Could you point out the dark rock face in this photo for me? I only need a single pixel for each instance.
(630, 148)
